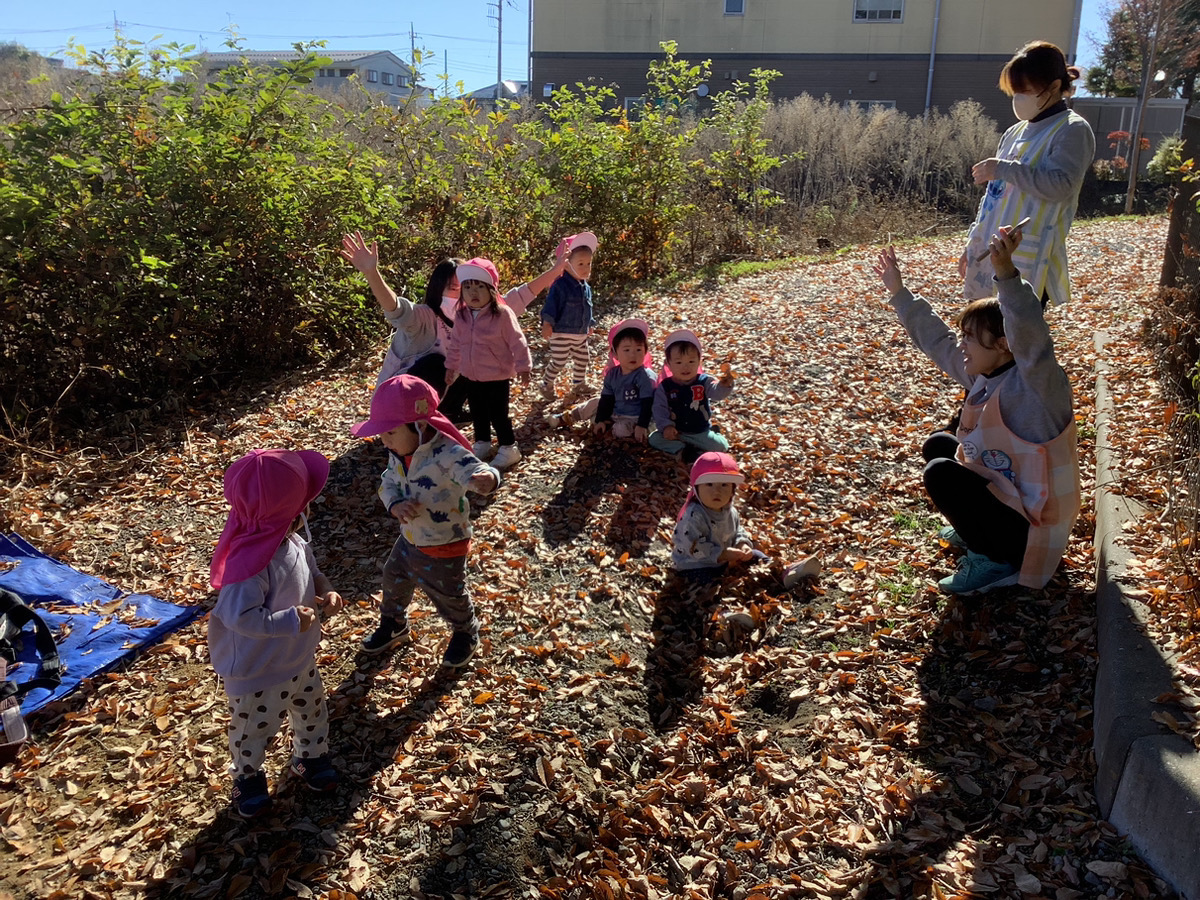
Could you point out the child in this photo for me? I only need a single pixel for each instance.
(682, 414)
(709, 538)
(1037, 172)
(1008, 481)
(627, 395)
(264, 629)
(487, 348)
(430, 469)
(567, 314)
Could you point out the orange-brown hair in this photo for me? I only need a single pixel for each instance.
(1035, 67)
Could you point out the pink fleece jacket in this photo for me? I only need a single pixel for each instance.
(487, 346)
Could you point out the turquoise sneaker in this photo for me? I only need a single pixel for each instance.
(950, 536)
(977, 575)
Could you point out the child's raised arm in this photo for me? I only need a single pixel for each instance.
(365, 257)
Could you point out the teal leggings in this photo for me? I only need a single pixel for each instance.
(704, 441)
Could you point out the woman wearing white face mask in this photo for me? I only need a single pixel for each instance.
(1037, 171)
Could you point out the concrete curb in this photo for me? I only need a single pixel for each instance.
(1147, 777)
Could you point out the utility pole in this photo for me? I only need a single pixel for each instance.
(499, 46)
(412, 46)
(1135, 143)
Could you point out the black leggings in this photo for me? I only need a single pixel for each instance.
(489, 408)
(985, 524)
(432, 370)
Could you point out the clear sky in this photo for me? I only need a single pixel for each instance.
(461, 32)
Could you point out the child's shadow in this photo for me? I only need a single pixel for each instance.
(687, 627)
(648, 484)
(674, 679)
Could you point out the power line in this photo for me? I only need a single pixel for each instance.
(69, 28)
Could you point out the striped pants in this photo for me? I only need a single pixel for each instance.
(562, 347)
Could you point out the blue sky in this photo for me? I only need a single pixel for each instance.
(458, 31)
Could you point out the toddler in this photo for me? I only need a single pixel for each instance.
(488, 349)
(567, 314)
(264, 630)
(682, 414)
(430, 469)
(627, 395)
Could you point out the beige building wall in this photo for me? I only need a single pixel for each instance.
(817, 44)
(794, 26)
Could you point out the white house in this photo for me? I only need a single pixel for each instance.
(379, 71)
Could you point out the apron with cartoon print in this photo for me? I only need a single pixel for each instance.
(1041, 257)
(1040, 481)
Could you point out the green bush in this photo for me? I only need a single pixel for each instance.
(158, 229)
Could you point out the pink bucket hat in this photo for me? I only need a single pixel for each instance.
(401, 401)
(574, 242)
(266, 490)
(478, 269)
(642, 326)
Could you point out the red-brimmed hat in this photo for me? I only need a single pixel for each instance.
(266, 490)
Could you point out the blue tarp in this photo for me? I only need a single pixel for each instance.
(109, 627)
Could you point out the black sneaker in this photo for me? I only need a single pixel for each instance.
(317, 771)
(460, 649)
(250, 797)
(389, 634)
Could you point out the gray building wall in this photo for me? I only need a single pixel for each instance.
(897, 78)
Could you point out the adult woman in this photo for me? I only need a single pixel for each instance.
(420, 331)
(1037, 171)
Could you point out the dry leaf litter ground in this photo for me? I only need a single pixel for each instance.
(874, 739)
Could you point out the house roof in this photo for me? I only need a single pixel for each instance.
(338, 56)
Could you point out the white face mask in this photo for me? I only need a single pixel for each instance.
(1027, 106)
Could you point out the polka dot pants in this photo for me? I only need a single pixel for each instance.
(256, 718)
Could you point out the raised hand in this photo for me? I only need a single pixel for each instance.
(888, 270)
(356, 251)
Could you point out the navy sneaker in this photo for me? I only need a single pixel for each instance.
(317, 771)
(460, 649)
(977, 574)
(250, 797)
(389, 634)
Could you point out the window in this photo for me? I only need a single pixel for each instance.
(345, 73)
(372, 75)
(878, 10)
(402, 80)
(324, 73)
(870, 104)
(548, 90)
(387, 77)
(735, 7)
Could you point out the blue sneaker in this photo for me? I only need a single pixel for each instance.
(950, 536)
(977, 575)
